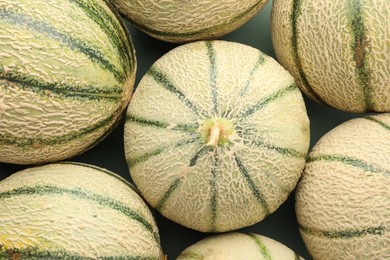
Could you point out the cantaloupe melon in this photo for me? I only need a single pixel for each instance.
(234, 246)
(74, 211)
(337, 50)
(343, 199)
(190, 20)
(216, 135)
(67, 71)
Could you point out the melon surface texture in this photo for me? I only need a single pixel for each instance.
(233, 246)
(337, 50)
(183, 21)
(342, 200)
(74, 211)
(216, 135)
(67, 71)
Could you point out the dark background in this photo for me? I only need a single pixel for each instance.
(109, 154)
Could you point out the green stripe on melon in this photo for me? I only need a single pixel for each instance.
(177, 182)
(41, 190)
(360, 50)
(39, 141)
(248, 85)
(342, 198)
(344, 234)
(213, 76)
(282, 150)
(112, 30)
(67, 70)
(68, 210)
(362, 165)
(164, 81)
(255, 190)
(33, 253)
(181, 127)
(213, 184)
(219, 145)
(70, 42)
(264, 102)
(44, 90)
(379, 122)
(296, 11)
(158, 151)
(261, 246)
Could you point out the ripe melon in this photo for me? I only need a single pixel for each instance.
(190, 20)
(342, 201)
(233, 246)
(67, 71)
(74, 211)
(216, 135)
(337, 50)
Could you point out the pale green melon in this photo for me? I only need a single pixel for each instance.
(337, 50)
(234, 246)
(67, 71)
(216, 135)
(342, 200)
(74, 211)
(190, 20)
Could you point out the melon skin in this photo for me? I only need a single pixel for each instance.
(236, 245)
(70, 210)
(337, 51)
(184, 21)
(216, 188)
(342, 200)
(67, 71)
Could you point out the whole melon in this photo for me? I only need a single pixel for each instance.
(190, 20)
(67, 71)
(342, 200)
(216, 135)
(235, 245)
(337, 50)
(74, 211)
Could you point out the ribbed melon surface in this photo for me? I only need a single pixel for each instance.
(183, 21)
(179, 165)
(74, 211)
(342, 200)
(235, 245)
(67, 71)
(337, 50)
